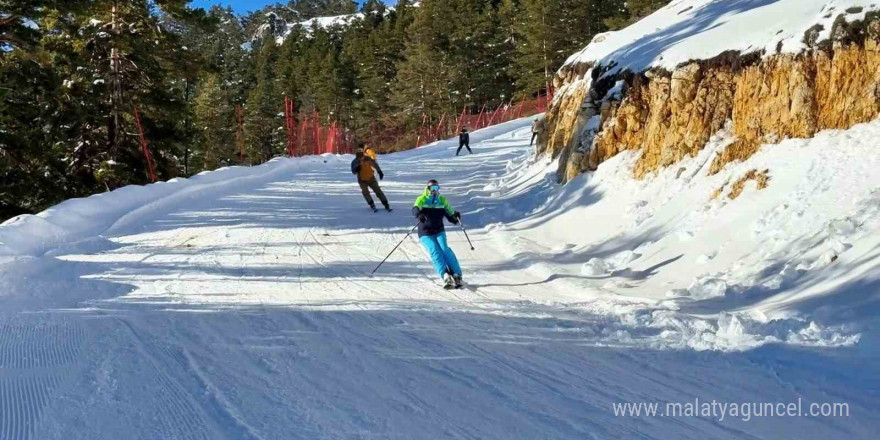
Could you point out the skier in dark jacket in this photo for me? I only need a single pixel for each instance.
(464, 140)
(536, 131)
(363, 167)
(431, 208)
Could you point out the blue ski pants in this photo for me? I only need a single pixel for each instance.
(441, 254)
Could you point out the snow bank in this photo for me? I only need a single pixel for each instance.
(77, 219)
(782, 264)
(688, 30)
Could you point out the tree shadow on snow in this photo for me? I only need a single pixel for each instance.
(643, 51)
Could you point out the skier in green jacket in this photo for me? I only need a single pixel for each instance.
(431, 208)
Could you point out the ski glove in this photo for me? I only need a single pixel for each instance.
(381, 176)
(423, 218)
(456, 218)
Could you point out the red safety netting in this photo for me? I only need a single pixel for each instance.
(308, 135)
(144, 147)
(475, 119)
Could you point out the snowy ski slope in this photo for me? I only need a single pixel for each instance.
(238, 304)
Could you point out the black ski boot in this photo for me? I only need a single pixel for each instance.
(458, 281)
(374, 208)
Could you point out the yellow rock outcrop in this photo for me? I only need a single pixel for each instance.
(672, 115)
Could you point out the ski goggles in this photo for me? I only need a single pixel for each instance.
(433, 187)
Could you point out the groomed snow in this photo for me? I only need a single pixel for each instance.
(76, 218)
(687, 30)
(239, 303)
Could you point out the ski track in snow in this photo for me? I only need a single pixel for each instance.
(36, 351)
(245, 310)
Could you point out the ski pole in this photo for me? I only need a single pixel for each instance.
(395, 248)
(465, 233)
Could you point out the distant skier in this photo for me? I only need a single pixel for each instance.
(536, 130)
(464, 140)
(430, 208)
(363, 167)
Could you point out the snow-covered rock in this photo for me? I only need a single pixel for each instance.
(762, 70)
(687, 30)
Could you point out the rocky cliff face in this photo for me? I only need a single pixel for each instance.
(670, 115)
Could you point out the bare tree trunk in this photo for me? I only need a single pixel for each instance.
(114, 126)
(186, 126)
(544, 40)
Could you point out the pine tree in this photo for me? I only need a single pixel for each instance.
(536, 52)
(221, 49)
(494, 55)
(18, 29)
(32, 173)
(505, 41)
(214, 124)
(632, 11)
(320, 8)
(118, 55)
(425, 79)
(94, 62)
(551, 30)
(468, 33)
(290, 67)
(262, 125)
(371, 50)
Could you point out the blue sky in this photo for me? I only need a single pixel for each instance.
(240, 6)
